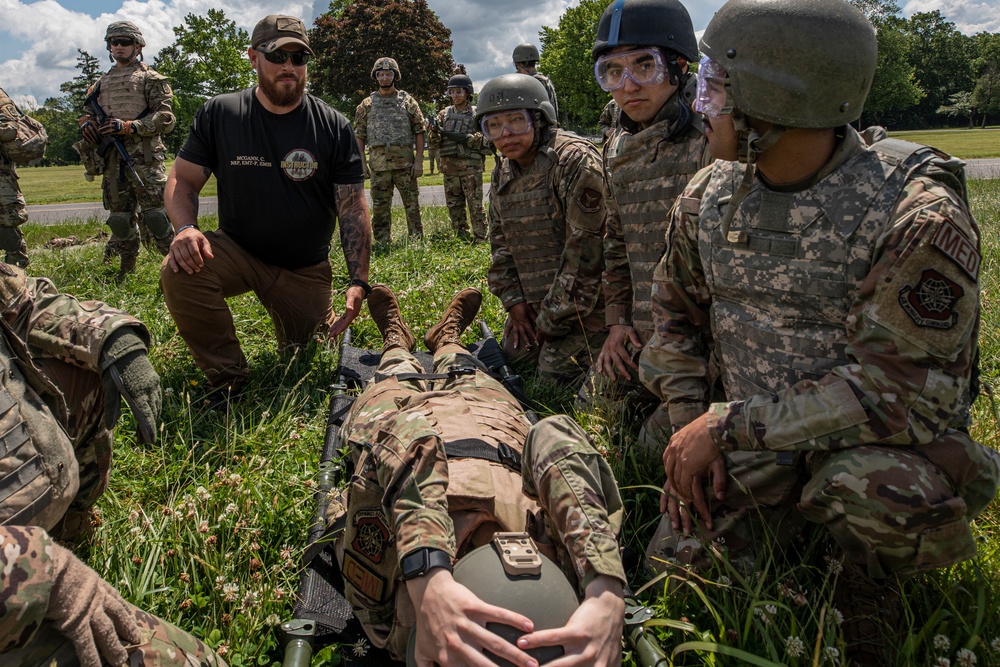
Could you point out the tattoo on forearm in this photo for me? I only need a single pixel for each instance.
(355, 228)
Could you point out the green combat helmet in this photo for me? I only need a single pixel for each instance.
(525, 53)
(124, 29)
(389, 64)
(511, 573)
(796, 63)
(663, 23)
(515, 91)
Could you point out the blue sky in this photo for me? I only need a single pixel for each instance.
(39, 38)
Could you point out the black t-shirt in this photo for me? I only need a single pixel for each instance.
(276, 173)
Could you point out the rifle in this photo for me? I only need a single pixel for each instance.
(108, 141)
(296, 634)
(493, 357)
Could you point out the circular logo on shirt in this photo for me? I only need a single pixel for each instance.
(299, 165)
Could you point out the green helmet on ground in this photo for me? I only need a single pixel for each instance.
(663, 23)
(795, 63)
(461, 81)
(537, 589)
(525, 53)
(389, 64)
(124, 29)
(515, 91)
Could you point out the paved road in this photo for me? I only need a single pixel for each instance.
(430, 195)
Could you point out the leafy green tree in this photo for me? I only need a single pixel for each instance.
(348, 39)
(76, 90)
(566, 59)
(986, 94)
(60, 124)
(960, 104)
(208, 58)
(939, 54)
(895, 86)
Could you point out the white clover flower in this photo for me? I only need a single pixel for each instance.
(273, 620)
(995, 644)
(725, 581)
(135, 530)
(762, 615)
(231, 508)
(941, 643)
(220, 580)
(169, 391)
(360, 648)
(942, 662)
(230, 591)
(795, 647)
(133, 515)
(965, 658)
(250, 599)
(236, 479)
(837, 616)
(771, 609)
(203, 494)
(832, 653)
(834, 566)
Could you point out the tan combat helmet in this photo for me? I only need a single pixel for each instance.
(124, 29)
(508, 92)
(389, 64)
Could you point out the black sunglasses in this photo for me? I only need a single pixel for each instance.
(279, 57)
(121, 41)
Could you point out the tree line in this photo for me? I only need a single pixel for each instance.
(929, 73)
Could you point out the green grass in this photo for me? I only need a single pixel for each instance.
(206, 527)
(963, 143)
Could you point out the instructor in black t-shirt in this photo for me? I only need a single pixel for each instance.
(287, 167)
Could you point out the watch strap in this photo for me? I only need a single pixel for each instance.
(420, 562)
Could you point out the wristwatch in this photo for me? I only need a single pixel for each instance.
(420, 562)
(362, 284)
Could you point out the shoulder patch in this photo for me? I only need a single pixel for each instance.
(931, 302)
(363, 578)
(957, 247)
(590, 200)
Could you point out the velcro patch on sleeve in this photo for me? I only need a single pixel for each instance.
(957, 247)
(364, 579)
(590, 200)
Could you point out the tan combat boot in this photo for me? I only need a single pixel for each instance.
(459, 314)
(872, 610)
(384, 309)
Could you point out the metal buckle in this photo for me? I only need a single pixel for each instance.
(518, 553)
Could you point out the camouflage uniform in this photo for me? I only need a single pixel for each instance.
(845, 317)
(645, 169)
(412, 489)
(462, 165)
(56, 442)
(12, 211)
(28, 640)
(432, 149)
(127, 92)
(550, 89)
(608, 120)
(546, 231)
(388, 126)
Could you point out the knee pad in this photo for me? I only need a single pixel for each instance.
(123, 224)
(159, 227)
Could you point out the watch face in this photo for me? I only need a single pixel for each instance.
(415, 564)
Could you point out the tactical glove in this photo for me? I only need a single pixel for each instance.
(89, 612)
(368, 172)
(88, 128)
(116, 126)
(128, 374)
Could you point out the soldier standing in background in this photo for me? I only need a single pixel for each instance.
(525, 58)
(546, 231)
(12, 211)
(463, 158)
(432, 148)
(137, 101)
(457, 461)
(641, 57)
(836, 285)
(390, 123)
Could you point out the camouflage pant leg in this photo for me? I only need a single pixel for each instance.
(566, 360)
(409, 192)
(889, 509)
(152, 216)
(577, 491)
(164, 645)
(454, 197)
(757, 512)
(13, 214)
(381, 191)
(472, 185)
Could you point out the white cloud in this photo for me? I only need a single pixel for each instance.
(968, 16)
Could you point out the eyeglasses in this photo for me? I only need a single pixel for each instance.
(712, 98)
(644, 67)
(121, 41)
(279, 57)
(515, 122)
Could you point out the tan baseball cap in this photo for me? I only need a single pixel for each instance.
(275, 31)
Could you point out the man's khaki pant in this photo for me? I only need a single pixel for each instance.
(299, 303)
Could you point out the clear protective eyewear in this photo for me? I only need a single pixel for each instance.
(712, 98)
(644, 67)
(279, 57)
(515, 122)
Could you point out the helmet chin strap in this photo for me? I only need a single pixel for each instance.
(751, 145)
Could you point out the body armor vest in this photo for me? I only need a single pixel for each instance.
(646, 173)
(769, 339)
(39, 474)
(533, 221)
(463, 123)
(388, 122)
(123, 92)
